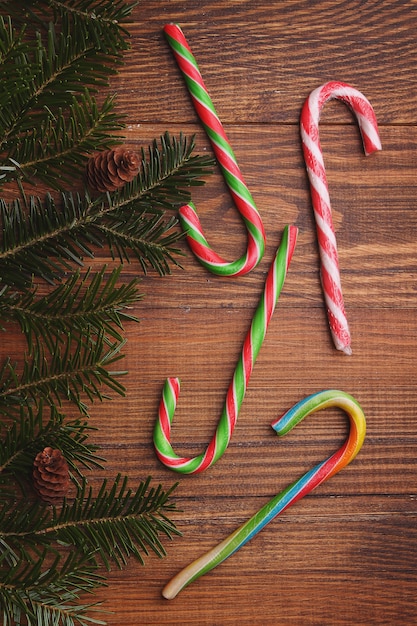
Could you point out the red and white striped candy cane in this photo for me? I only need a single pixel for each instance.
(310, 115)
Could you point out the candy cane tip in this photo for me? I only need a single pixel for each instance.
(169, 593)
(342, 346)
(173, 380)
(342, 343)
(292, 238)
(172, 29)
(375, 148)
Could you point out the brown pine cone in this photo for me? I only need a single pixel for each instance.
(111, 169)
(51, 475)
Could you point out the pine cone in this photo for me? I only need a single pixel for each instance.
(51, 475)
(111, 169)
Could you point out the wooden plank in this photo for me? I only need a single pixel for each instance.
(346, 553)
(374, 214)
(260, 60)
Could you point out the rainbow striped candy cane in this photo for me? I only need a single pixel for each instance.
(309, 127)
(301, 487)
(236, 392)
(227, 161)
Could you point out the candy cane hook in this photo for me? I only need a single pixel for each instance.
(301, 487)
(329, 271)
(236, 392)
(227, 161)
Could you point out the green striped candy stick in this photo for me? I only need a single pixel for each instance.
(237, 388)
(227, 161)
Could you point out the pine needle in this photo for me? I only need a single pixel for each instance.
(54, 56)
(75, 372)
(83, 304)
(50, 240)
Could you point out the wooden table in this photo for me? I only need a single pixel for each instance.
(345, 554)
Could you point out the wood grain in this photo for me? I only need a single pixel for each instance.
(347, 553)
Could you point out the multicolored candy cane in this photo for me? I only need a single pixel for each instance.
(301, 487)
(227, 161)
(237, 388)
(310, 115)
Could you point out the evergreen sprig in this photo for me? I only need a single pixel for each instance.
(102, 23)
(32, 429)
(114, 524)
(76, 371)
(49, 120)
(82, 304)
(48, 240)
(35, 595)
(54, 56)
(56, 141)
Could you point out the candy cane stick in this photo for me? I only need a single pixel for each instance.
(301, 487)
(227, 161)
(236, 392)
(330, 275)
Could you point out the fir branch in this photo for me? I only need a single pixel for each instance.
(11, 43)
(117, 522)
(35, 428)
(168, 169)
(49, 241)
(102, 20)
(82, 304)
(41, 593)
(151, 239)
(74, 371)
(25, 247)
(46, 77)
(58, 147)
(60, 62)
(114, 525)
(49, 122)
(22, 434)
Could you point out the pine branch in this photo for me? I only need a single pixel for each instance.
(151, 239)
(117, 523)
(49, 122)
(49, 241)
(41, 593)
(168, 169)
(114, 525)
(35, 428)
(40, 243)
(57, 147)
(75, 370)
(80, 305)
(11, 43)
(21, 437)
(64, 59)
(101, 20)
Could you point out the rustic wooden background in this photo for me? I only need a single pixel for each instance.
(345, 554)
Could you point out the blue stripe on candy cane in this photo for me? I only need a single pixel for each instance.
(274, 507)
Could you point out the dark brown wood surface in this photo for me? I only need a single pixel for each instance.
(345, 554)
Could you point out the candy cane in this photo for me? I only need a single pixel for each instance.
(227, 161)
(236, 392)
(301, 487)
(330, 275)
